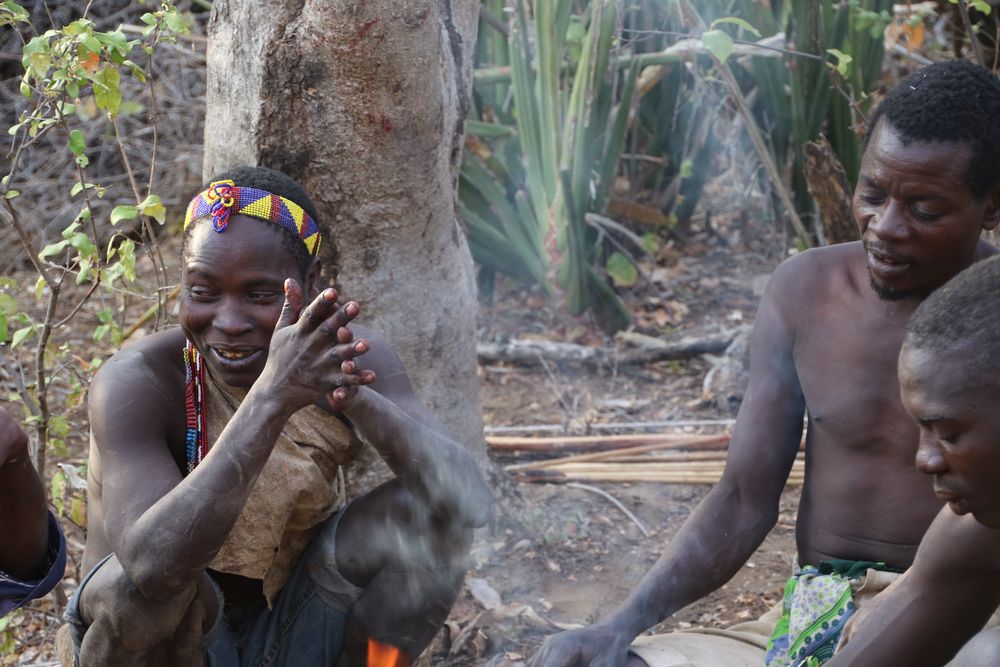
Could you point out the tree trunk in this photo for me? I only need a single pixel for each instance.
(363, 102)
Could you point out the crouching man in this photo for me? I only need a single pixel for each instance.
(219, 532)
(32, 547)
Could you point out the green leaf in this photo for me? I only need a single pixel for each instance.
(83, 245)
(21, 335)
(735, 21)
(982, 6)
(621, 269)
(40, 287)
(78, 510)
(57, 489)
(10, 194)
(843, 60)
(478, 128)
(154, 208)
(107, 93)
(92, 44)
(123, 213)
(3, 328)
(77, 144)
(115, 41)
(13, 12)
(8, 306)
(651, 242)
(685, 170)
(59, 426)
(718, 43)
(78, 188)
(52, 249)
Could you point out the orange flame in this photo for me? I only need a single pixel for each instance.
(385, 655)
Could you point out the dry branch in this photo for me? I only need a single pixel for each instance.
(535, 352)
(598, 443)
(633, 472)
(713, 442)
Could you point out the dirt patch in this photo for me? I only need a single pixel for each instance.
(570, 554)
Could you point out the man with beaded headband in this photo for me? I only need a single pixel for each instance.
(218, 528)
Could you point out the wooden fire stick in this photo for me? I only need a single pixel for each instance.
(640, 473)
(696, 442)
(501, 443)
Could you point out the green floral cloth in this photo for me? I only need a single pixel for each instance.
(817, 603)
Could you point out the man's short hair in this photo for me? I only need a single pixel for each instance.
(956, 101)
(964, 315)
(278, 183)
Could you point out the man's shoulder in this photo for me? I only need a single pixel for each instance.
(961, 541)
(152, 364)
(808, 274)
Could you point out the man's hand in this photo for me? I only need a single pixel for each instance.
(312, 350)
(593, 646)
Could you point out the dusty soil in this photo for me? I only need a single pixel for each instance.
(570, 554)
(556, 554)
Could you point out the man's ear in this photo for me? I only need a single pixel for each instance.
(991, 216)
(313, 275)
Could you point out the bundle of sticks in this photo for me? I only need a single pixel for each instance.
(678, 458)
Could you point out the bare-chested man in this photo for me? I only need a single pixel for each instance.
(825, 343)
(218, 528)
(949, 373)
(32, 548)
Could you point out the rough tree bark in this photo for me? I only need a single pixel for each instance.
(363, 102)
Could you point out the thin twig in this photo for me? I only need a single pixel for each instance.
(762, 152)
(614, 501)
(152, 114)
(963, 9)
(150, 313)
(90, 292)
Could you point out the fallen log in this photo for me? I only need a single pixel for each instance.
(536, 352)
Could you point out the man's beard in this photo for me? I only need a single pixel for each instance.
(888, 293)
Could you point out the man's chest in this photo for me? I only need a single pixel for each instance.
(846, 368)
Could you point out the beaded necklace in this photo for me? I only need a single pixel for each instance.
(196, 437)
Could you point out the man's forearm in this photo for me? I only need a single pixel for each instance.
(438, 471)
(711, 546)
(176, 539)
(24, 538)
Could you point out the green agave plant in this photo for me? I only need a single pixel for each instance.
(545, 148)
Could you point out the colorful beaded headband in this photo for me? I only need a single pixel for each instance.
(224, 198)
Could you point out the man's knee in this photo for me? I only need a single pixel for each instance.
(112, 606)
(389, 526)
(983, 650)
